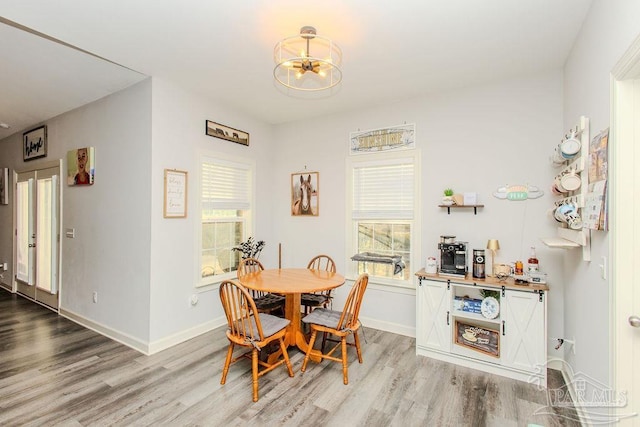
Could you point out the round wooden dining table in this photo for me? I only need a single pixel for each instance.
(292, 283)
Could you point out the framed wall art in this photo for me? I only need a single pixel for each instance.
(393, 138)
(305, 194)
(81, 166)
(34, 143)
(225, 132)
(4, 186)
(175, 193)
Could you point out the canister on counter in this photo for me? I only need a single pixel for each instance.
(478, 263)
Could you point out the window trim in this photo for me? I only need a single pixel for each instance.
(213, 282)
(351, 232)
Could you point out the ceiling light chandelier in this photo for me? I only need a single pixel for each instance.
(307, 62)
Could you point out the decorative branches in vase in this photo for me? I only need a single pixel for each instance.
(250, 248)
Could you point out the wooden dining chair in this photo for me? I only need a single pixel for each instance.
(251, 329)
(311, 300)
(266, 302)
(340, 324)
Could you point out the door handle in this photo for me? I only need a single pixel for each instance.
(634, 321)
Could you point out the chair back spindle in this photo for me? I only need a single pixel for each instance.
(240, 311)
(351, 310)
(322, 262)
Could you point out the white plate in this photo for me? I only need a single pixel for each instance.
(490, 308)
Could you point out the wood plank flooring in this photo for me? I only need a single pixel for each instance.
(54, 372)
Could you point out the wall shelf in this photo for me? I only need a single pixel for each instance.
(559, 242)
(475, 207)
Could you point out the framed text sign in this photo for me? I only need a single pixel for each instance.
(34, 143)
(393, 138)
(175, 193)
(480, 339)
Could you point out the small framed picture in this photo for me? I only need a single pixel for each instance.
(305, 194)
(225, 132)
(81, 166)
(175, 193)
(4, 186)
(34, 143)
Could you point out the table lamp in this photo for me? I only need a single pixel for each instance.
(493, 245)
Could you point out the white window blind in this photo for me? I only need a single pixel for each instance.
(384, 190)
(225, 185)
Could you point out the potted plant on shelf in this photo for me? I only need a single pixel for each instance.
(250, 248)
(447, 200)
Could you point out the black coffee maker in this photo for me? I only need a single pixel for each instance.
(453, 256)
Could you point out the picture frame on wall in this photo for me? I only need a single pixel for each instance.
(4, 186)
(34, 143)
(305, 194)
(81, 166)
(227, 133)
(175, 193)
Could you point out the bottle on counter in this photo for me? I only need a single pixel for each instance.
(532, 262)
(519, 271)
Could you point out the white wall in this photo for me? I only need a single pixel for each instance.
(178, 140)
(473, 139)
(110, 253)
(607, 32)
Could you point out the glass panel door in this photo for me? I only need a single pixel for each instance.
(25, 236)
(37, 234)
(47, 234)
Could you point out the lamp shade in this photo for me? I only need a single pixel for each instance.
(493, 244)
(307, 62)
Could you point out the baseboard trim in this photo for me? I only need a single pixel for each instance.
(182, 336)
(569, 380)
(382, 325)
(121, 337)
(139, 345)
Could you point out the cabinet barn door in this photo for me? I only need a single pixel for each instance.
(434, 304)
(524, 332)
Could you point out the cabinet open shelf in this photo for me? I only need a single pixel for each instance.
(474, 316)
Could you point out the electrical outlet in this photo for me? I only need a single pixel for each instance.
(95, 297)
(4, 266)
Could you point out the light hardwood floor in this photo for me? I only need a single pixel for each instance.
(54, 372)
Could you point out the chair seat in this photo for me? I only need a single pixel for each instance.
(270, 325)
(314, 300)
(323, 317)
(269, 302)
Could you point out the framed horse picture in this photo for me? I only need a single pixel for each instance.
(305, 194)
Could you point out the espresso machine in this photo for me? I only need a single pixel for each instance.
(453, 256)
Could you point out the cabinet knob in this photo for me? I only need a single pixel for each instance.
(634, 321)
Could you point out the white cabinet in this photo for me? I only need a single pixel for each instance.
(511, 342)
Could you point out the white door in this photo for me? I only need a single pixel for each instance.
(433, 316)
(37, 234)
(524, 330)
(625, 227)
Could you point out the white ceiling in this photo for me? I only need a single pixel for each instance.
(224, 49)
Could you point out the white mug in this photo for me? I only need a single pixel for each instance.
(570, 180)
(570, 146)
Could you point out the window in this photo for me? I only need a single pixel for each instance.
(383, 206)
(226, 202)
